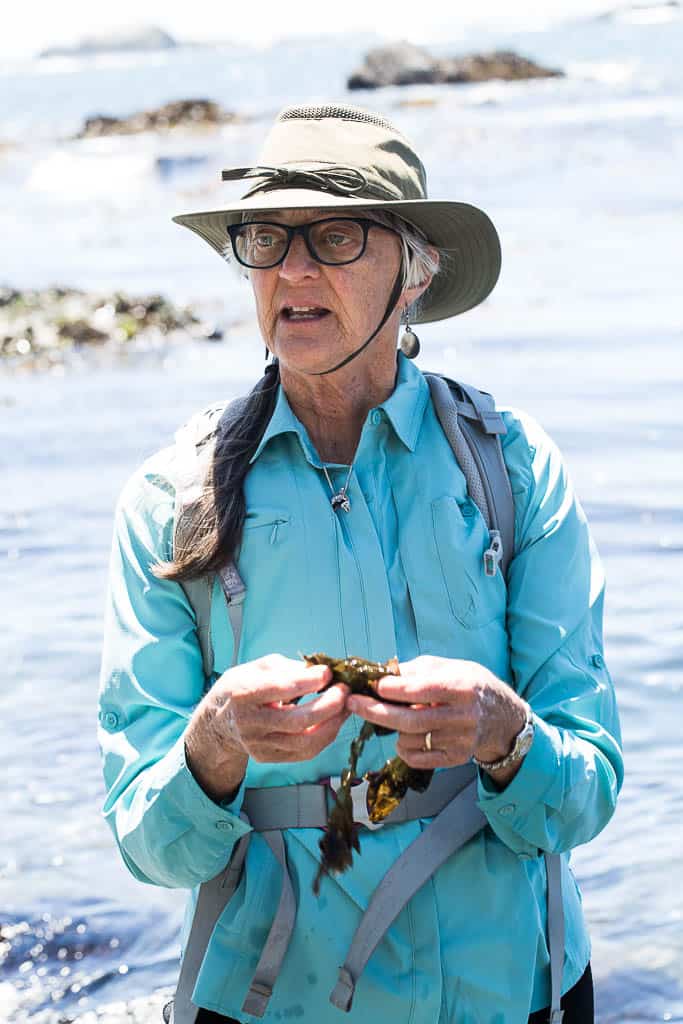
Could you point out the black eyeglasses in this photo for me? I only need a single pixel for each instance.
(334, 241)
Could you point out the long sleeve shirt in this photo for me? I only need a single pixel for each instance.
(400, 574)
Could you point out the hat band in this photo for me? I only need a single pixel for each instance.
(339, 180)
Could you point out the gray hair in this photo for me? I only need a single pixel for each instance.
(420, 259)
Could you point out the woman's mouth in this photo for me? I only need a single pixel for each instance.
(303, 312)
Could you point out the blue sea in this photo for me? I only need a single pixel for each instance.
(582, 176)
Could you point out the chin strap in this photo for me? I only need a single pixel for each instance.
(391, 306)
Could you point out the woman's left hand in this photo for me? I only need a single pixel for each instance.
(467, 710)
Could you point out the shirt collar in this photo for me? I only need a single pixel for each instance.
(404, 409)
(405, 406)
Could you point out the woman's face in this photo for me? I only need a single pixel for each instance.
(312, 315)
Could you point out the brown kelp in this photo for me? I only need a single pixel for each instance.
(386, 787)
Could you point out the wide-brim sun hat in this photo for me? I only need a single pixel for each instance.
(347, 159)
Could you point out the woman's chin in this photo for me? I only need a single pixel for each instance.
(306, 352)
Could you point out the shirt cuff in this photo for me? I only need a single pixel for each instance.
(218, 821)
(514, 810)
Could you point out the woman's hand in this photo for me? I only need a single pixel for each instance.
(249, 712)
(467, 709)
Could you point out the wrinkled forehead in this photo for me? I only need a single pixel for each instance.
(296, 216)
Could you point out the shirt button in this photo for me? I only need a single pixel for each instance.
(507, 810)
(224, 826)
(467, 511)
(598, 661)
(376, 417)
(109, 719)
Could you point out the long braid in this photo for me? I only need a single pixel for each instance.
(212, 526)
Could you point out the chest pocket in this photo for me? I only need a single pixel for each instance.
(269, 520)
(461, 537)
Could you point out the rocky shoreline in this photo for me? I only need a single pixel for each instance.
(190, 114)
(407, 64)
(42, 329)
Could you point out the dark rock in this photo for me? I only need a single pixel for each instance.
(501, 64)
(81, 332)
(406, 64)
(398, 64)
(39, 328)
(194, 113)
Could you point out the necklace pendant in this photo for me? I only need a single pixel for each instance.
(340, 501)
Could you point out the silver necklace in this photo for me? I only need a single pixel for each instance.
(339, 499)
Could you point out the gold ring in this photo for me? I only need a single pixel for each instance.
(428, 741)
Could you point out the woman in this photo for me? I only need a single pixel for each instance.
(336, 495)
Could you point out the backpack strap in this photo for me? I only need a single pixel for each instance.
(451, 801)
(459, 821)
(212, 899)
(473, 427)
(195, 443)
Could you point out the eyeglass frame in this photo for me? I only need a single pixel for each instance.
(365, 224)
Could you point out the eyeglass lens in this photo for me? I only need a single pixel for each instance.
(263, 245)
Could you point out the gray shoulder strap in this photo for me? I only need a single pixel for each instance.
(553, 867)
(212, 899)
(194, 450)
(473, 428)
(459, 821)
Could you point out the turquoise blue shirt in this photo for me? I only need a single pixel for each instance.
(400, 574)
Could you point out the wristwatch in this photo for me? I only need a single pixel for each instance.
(520, 747)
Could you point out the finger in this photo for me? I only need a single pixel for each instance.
(418, 690)
(294, 718)
(426, 759)
(408, 719)
(284, 688)
(283, 747)
(460, 740)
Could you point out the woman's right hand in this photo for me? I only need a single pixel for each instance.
(249, 712)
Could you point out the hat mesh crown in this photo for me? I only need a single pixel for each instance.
(341, 111)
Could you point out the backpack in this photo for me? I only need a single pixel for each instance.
(473, 428)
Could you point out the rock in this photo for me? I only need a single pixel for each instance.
(147, 38)
(38, 329)
(501, 64)
(80, 332)
(192, 113)
(398, 64)
(406, 64)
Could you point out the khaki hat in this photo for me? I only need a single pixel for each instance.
(345, 158)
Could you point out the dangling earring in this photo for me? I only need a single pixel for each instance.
(409, 343)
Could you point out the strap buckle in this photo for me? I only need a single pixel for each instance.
(494, 554)
(359, 793)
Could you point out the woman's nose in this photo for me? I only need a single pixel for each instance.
(298, 263)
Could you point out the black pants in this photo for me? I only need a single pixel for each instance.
(577, 1004)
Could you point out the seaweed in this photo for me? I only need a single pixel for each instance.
(386, 787)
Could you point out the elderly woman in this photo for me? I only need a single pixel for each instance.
(330, 514)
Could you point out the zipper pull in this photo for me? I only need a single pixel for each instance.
(493, 554)
(273, 533)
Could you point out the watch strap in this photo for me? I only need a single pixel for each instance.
(519, 747)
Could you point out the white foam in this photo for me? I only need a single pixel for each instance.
(95, 174)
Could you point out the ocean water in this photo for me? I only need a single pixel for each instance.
(582, 176)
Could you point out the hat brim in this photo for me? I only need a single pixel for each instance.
(466, 234)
